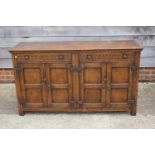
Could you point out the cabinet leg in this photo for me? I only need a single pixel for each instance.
(21, 113)
(133, 113)
(133, 109)
(20, 110)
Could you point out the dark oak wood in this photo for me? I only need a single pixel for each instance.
(77, 76)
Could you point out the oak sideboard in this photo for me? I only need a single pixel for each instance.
(77, 76)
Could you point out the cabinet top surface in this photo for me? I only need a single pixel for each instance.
(77, 45)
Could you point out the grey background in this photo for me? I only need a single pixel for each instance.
(12, 35)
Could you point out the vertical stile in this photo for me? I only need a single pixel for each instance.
(108, 86)
(103, 96)
(81, 84)
(75, 63)
(49, 94)
(70, 85)
(44, 85)
(130, 85)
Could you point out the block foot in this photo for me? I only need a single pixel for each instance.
(133, 113)
(21, 113)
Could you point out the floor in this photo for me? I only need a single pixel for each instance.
(145, 118)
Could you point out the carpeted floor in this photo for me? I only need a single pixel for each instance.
(145, 118)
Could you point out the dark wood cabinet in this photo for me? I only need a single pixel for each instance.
(77, 76)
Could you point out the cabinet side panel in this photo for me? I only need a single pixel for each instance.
(17, 85)
(134, 84)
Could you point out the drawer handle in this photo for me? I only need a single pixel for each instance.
(26, 57)
(61, 57)
(89, 57)
(124, 56)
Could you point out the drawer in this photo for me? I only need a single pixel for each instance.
(105, 56)
(43, 57)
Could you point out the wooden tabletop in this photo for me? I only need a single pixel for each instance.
(77, 45)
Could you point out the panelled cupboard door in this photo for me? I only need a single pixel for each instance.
(93, 85)
(33, 86)
(118, 85)
(59, 83)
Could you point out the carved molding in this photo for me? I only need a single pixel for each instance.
(28, 58)
(104, 56)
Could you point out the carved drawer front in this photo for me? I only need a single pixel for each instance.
(105, 56)
(43, 57)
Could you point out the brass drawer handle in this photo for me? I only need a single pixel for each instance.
(26, 57)
(124, 56)
(61, 57)
(89, 57)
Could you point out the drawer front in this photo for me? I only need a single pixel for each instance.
(105, 56)
(43, 57)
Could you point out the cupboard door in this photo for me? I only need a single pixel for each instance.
(33, 88)
(59, 81)
(118, 85)
(92, 85)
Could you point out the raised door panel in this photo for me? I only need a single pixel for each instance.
(118, 85)
(92, 85)
(33, 87)
(59, 80)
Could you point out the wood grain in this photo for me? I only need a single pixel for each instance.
(74, 46)
(77, 76)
